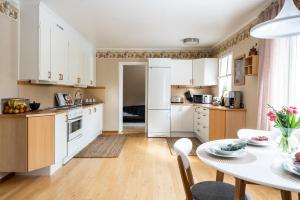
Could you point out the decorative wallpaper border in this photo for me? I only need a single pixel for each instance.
(154, 54)
(9, 10)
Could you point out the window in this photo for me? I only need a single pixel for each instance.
(294, 71)
(225, 76)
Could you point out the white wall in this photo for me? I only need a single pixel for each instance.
(9, 59)
(133, 85)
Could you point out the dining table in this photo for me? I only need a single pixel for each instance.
(260, 165)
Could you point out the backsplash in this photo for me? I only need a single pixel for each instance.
(180, 90)
(44, 94)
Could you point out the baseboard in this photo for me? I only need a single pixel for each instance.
(183, 134)
(6, 177)
(110, 132)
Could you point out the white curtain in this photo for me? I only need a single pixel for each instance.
(279, 81)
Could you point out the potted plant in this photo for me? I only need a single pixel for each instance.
(286, 120)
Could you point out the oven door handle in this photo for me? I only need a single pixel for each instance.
(74, 120)
(75, 138)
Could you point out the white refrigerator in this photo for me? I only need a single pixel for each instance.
(159, 95)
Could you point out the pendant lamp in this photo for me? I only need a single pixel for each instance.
(285, 24)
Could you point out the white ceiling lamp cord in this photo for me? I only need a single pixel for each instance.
(285, 24)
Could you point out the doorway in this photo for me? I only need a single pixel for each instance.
(132, 97)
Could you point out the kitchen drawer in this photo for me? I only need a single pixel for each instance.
(204, 110)
(204, 133)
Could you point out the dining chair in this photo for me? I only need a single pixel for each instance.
(207, 190)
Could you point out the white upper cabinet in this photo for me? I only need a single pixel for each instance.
(205, 72)
(59, 53)
(181, 72)
(45, 46)
(51, 50)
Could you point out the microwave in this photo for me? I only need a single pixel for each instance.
(198, 98)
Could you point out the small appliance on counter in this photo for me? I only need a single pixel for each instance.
(198, 98)
(233, 99)
(177, 99)
(14, 105)
(188, 95)
(207, 98)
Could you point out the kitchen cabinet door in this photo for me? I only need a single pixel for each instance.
(90, 65)
(45, 46)
(40, 141)
(99, 119)
(61, 137)
(73, 60)
(182, 118)
(87, 124)
(181, 72)
(59, 53)
(205, 72)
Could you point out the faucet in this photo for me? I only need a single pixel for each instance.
(78, 100)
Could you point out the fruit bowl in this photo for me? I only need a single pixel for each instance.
(15, 106)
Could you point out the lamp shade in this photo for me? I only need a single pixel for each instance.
(285, 24)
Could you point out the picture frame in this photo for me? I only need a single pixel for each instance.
(239, 70)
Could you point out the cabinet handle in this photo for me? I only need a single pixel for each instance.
(91, 82)
(203, 115)
(78, 80)
(95, 109)
(61, 77)
(49, 75)
(204, 127)
(60, 27)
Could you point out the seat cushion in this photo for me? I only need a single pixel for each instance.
(213, 190)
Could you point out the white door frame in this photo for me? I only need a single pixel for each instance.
(121, 74)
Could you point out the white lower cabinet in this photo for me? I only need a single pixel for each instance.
(61, 137)
(182, 118)
(92, 123)
(201, 123)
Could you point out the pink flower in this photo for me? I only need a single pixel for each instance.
(292, 110)
(272, 116)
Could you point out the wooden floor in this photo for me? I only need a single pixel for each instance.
(144, 170)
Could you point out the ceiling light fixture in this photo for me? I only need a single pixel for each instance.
(190, 41)
(285, 24)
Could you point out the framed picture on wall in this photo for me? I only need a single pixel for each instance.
(239, 70)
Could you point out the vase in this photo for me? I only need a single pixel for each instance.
(287, 143)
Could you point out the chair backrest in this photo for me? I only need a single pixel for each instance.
(182, 148)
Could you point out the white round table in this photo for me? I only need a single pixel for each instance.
(261, 165)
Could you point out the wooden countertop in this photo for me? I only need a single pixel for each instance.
(209, 106)
(45, 112)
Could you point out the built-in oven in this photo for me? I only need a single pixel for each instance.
(75, 133)
(74, 128)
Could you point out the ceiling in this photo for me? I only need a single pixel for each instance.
(156, 24)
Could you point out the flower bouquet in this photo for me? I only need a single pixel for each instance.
(287, 120)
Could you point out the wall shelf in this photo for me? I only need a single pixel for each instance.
(251, 65)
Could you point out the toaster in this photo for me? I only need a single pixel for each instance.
(177, 99)
(207, 99)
